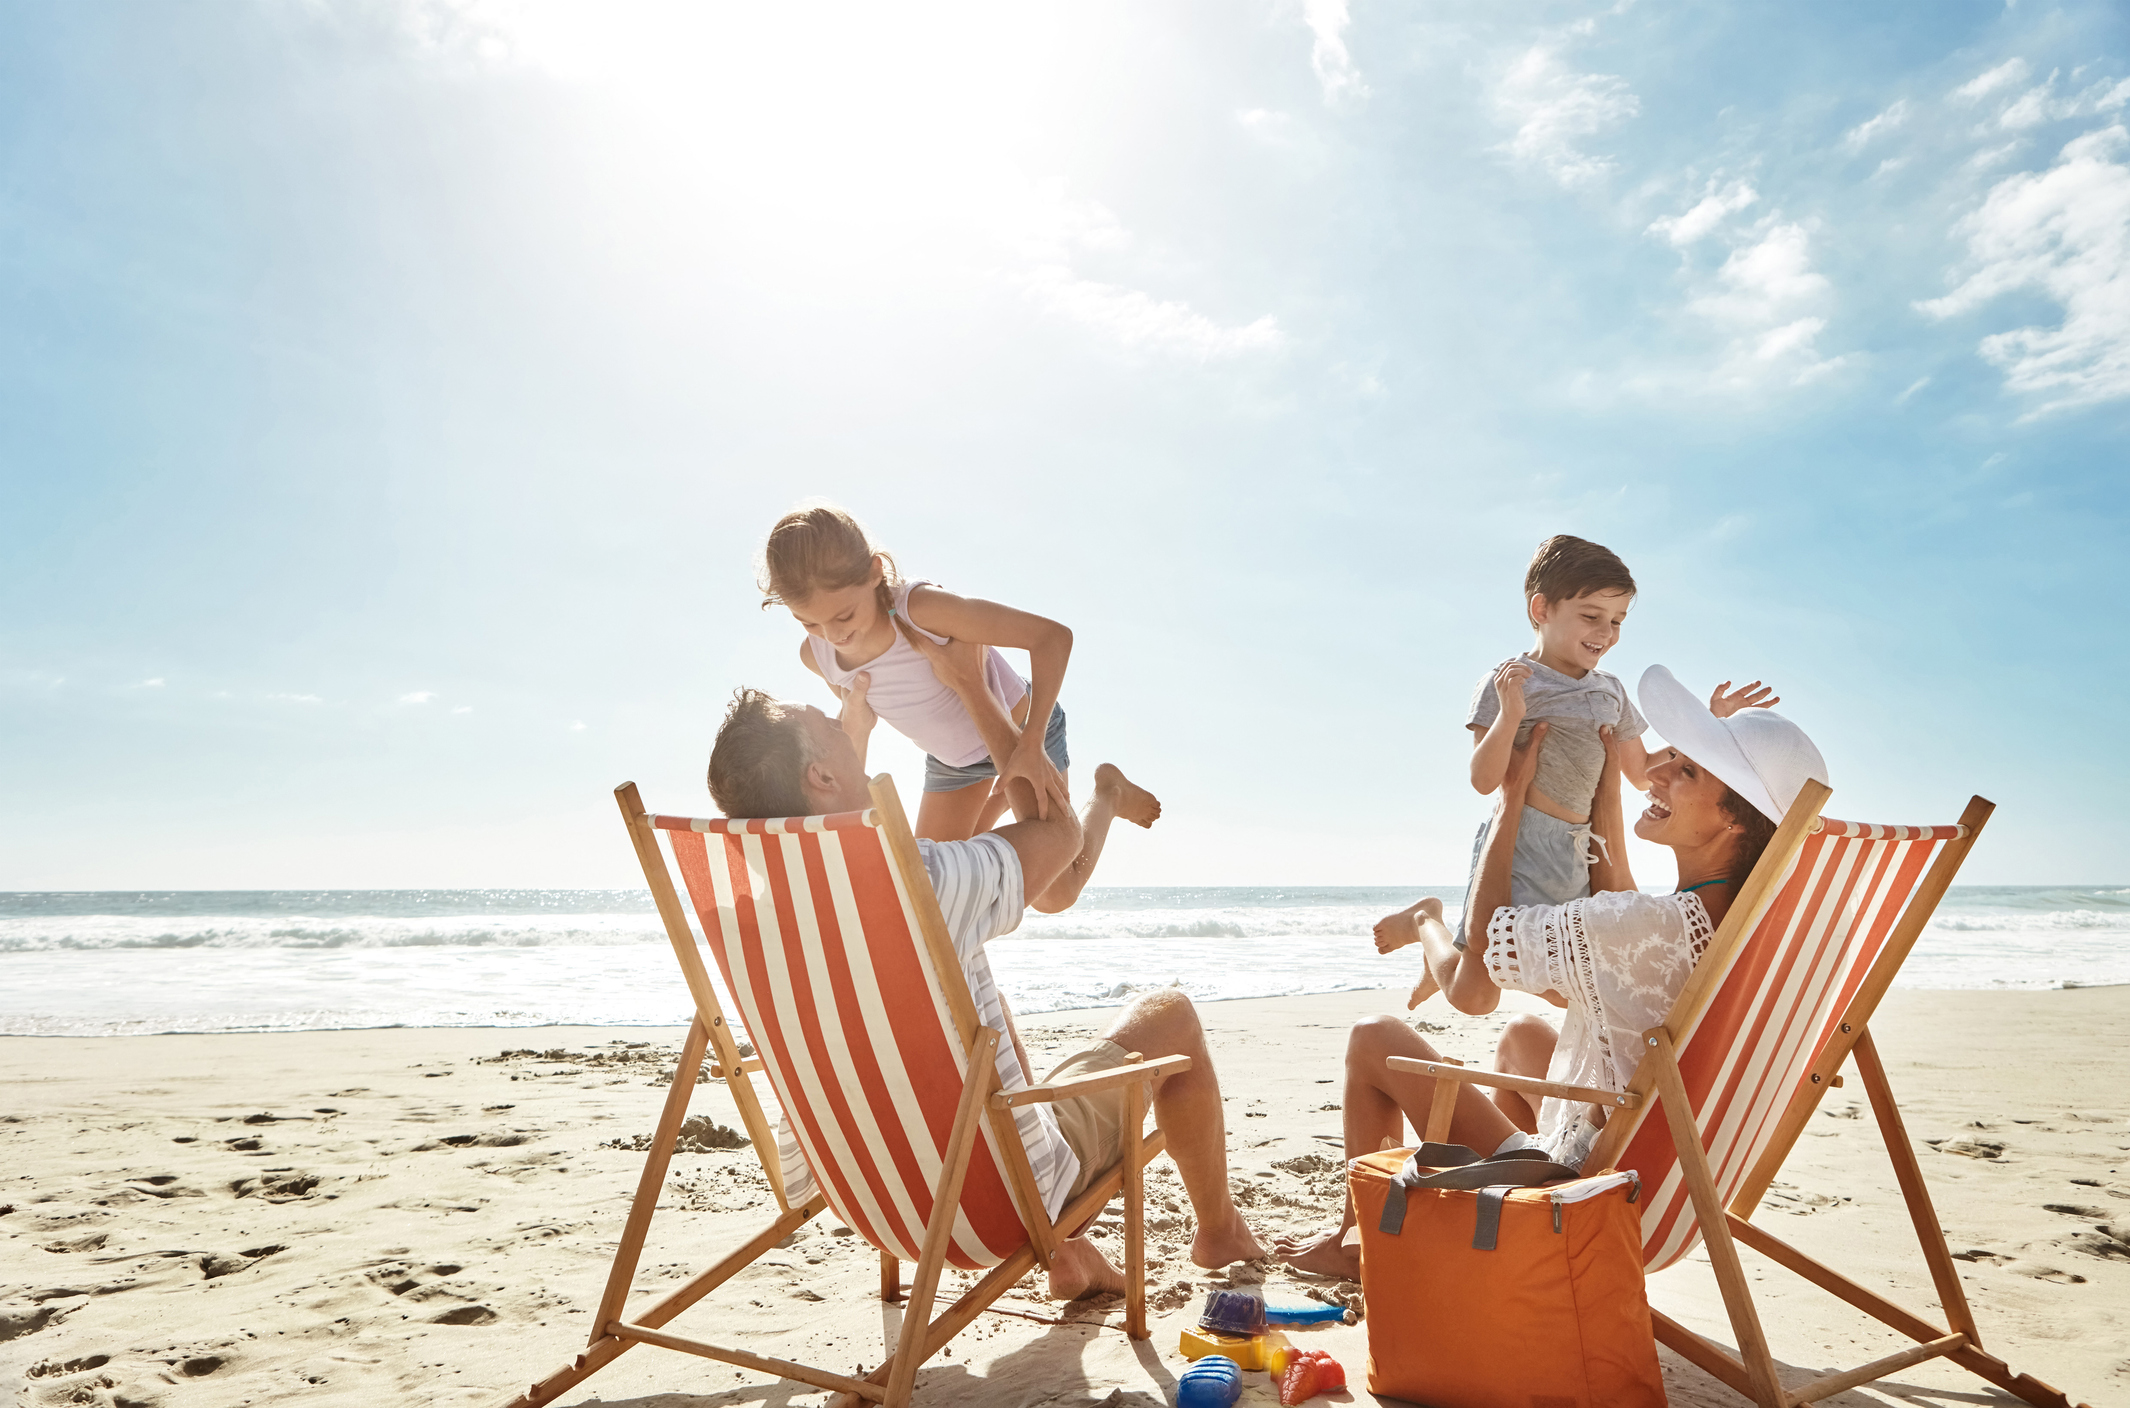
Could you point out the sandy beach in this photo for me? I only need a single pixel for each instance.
(425, 1215)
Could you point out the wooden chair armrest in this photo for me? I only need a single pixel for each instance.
(1052, 1091)
(1624, 1099)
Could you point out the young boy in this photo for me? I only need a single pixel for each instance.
(1576, 596)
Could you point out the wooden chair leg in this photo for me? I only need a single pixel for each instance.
(653, 1180)
(1951, 1295)
(939, 1227)
(1715, 1230)
(1442, 1107)
(1134, 1211)
(890, 1277)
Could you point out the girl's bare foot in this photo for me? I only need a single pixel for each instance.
(1078, 1269)
(1426, 988)
(1215, 1247)
(1130, 801)
(1325, 1254)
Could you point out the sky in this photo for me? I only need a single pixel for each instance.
(394, 395)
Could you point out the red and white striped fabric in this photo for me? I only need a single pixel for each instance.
(818, 943)
(1775, 1005)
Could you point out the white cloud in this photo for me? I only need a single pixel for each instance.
(1140, 322)
(156, 683)
(297, 698)
(419, 696)
(2064, 233)
(1556, 108)
(576, 725)
(463, 709)
(1327, 20)
(1683, 230)
(1770, 305)
(2032, 108)
(1913, 387)
(2002, 76)
(1859, 136)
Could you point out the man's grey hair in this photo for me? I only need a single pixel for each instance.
(758, 764)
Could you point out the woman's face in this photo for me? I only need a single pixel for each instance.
(1685, 803)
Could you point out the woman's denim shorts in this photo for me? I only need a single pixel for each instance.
(943, 777)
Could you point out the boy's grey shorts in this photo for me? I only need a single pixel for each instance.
(944, 777)
(1548, 868)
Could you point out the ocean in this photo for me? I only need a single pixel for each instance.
(112, 963)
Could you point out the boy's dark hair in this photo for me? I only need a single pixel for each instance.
(758, 764)
(1565, 567)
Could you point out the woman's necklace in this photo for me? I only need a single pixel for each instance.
(1719, 880)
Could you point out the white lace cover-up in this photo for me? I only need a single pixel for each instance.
(1619, 957)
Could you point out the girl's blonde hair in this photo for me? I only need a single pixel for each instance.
(820, 549)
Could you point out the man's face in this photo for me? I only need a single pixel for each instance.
(835, 756)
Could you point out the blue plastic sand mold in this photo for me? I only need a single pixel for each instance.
(1212, 1382)
(1304, 1314)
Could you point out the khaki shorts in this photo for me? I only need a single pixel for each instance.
(1093, 1125)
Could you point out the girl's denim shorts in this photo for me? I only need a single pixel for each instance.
(944, 777)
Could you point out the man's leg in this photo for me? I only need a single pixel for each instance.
(1377, 1103)
(1115, 796)
(1187, 1110)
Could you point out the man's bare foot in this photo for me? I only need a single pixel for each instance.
(1325, 1254)
(1215, 1247)
(1132, 802)
(1426, 988)
(1078, 1269)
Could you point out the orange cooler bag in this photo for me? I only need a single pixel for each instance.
(1494, 1296)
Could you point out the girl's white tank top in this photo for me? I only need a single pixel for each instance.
(906, 694)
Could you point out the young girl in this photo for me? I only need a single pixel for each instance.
(870, 636)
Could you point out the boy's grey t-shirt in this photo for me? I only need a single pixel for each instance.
(1573, 755)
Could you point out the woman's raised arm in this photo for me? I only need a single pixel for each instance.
(1608, 818)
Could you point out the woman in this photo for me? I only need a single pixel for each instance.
(1615, 960)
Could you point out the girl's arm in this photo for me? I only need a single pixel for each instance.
(1049, 647)
(1490, 752)
(1608, 818)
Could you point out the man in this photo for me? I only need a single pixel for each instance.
(780, 759)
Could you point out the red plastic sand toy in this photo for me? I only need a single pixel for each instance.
(1308, 1374)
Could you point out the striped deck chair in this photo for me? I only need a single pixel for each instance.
(827, 934)
(1780, 1000)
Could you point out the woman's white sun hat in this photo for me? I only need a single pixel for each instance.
(1761, 755)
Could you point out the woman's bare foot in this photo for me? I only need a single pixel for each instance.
(1078, 1269)
(1215, 1247)
(1325, 1254)
(1426, 988)
(1129, 800)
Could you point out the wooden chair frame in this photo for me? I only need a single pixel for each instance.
(1657, 1080)
(982, 1099)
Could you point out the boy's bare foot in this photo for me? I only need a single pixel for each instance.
(1426, 988)
(1079, 1269)
(1325, 1254)
(1395, 931)
(1131, 801)
(1215, 1247)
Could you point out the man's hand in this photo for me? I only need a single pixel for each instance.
(1032, 765)
(1509, 689)
(858, 718)
(1523, 766)
(1746, 696)
(958, 663)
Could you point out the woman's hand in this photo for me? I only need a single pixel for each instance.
(958, 663)
(1747, 696)
(1523, 766)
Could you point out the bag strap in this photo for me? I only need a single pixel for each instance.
(1455, 1166)
(1487, 1227)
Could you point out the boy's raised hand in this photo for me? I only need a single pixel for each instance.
(1747, 696)
(1509, 688)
